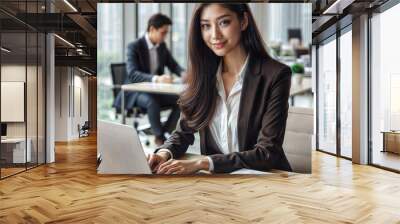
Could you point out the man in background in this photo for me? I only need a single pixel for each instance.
(146, 60)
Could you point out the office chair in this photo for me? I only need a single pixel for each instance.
(118, 74)
(84, 130)
(294, 33)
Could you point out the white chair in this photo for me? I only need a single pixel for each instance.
(298, 138)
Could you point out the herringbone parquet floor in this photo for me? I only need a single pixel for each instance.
(70, 191)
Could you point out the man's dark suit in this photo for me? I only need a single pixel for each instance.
(138, 70)
(138, 67)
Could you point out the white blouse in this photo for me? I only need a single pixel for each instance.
(223, 125)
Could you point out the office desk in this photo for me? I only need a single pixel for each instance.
(176, 89)
(13, 150)
(391, 141)
(305, 86)
(296, 89)
(149, 87)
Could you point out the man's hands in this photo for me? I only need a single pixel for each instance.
(165, 78)
(184, 77)
(160, 164)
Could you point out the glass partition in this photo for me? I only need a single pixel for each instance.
(146, 10)
(385, 89)
(179, 33)
(14, 153)
(346, 94)
(110, 49)
(327, 96)
(22, 90)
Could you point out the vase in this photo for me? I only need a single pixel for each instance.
(297, 79)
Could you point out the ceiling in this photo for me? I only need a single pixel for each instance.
(330, 15)
(76, 22)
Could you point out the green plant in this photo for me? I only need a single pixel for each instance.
(297, 68)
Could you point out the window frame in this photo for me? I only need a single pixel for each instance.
(333, 33)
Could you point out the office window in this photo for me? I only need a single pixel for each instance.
(146, 10)
(346, 94)
(179, 33)
(110, 49)
(327, 96)
(278, 18)
(385, 89)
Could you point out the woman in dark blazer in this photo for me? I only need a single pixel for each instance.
(237, 98)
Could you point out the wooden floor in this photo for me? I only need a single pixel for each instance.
(387, 159)
(70, 191)
(5, 172)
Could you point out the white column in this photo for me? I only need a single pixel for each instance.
(360, 90)
(314, 91)
(50, 99)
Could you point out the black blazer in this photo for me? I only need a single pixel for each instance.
(262, 118)
(138, 67)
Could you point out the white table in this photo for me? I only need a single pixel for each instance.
(176, 89)
(297, 89)
(19, 153)
(305, 86)
(149, 87)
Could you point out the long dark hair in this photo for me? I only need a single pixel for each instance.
(198, 101)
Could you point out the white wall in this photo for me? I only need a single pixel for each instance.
(62, 81)
(80, 111)
(71, 102)
(13, 73)
(33, 126)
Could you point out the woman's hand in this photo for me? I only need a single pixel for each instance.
(183, 166)
(155, 160)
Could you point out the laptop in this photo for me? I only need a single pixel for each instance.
(119, 150)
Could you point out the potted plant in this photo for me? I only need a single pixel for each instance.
(297, 73)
